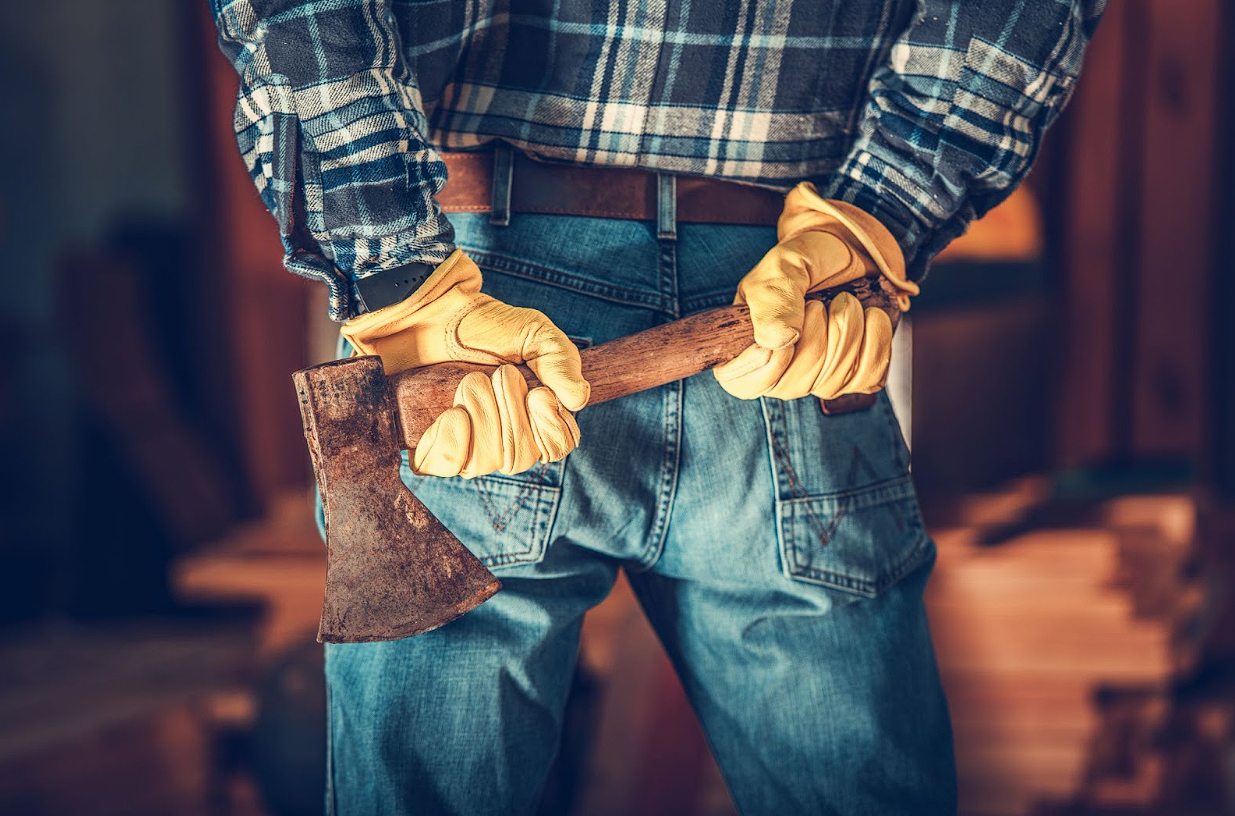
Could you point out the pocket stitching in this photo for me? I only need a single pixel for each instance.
(540, 495)
(795, 484)
(543, 505)
(894, 491)
(501, 520)
(490, 261)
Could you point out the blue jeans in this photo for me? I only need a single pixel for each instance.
(779, 554)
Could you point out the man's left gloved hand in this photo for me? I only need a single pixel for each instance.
(803, 347)
(496, 423)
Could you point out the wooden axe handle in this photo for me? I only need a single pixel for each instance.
(628, 365)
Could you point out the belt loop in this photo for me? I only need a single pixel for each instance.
(666, 206)
(503, 179)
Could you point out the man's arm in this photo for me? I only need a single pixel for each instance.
(330, 124)
(956, 114)
(952, 123)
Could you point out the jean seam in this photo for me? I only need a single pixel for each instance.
(667, 275)
(782, 539)
(892, 489)
(332, 806)
(565, 280)
(900, 450)
(668, 480)
(703, 302)
(824, 532)
(666, 261)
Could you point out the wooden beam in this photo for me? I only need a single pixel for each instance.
(1086, 399)
(1175, 237)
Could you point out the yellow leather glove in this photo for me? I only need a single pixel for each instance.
(804, 347)
(496, 423)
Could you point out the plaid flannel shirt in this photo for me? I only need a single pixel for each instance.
(925, 113)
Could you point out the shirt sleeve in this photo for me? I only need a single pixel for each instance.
(956, 113)
(329, 122)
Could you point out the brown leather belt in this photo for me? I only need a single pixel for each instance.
(601, 192)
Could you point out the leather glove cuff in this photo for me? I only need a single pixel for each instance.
(805, 210)
(455, 279)
(390, 286)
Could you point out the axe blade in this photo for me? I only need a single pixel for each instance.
(393, 570)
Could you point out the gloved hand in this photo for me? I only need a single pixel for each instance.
(805, 347)
(496, 423)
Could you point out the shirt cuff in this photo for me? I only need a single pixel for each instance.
(431, 253)
(922, 229)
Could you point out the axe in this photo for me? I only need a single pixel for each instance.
(393, 570)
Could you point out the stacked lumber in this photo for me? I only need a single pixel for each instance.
(1055, 649)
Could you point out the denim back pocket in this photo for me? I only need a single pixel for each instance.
(846, 507)
(503, 520)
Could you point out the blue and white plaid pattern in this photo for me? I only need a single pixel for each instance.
(925, 113)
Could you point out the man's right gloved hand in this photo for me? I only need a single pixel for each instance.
(496, 424)
(802, 347)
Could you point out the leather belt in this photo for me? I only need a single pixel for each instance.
(599, 191)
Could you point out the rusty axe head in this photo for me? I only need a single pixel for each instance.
(393, 570)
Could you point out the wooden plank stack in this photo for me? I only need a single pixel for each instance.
(1055, 646)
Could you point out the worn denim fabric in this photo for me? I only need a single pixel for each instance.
(778, 552)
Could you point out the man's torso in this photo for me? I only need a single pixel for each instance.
(766, 91)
